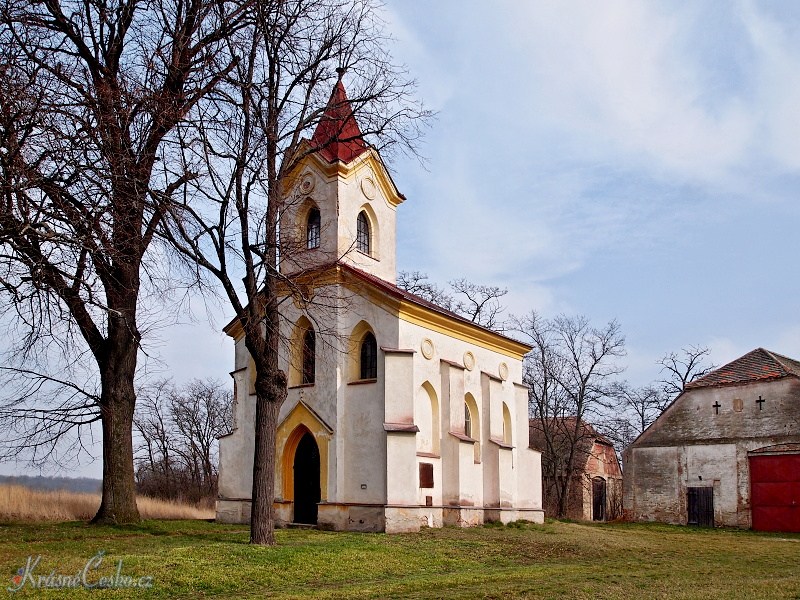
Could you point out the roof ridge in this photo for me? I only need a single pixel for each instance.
(393, 288)
(792, 368)
(757, 365)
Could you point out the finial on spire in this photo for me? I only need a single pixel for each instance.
(341, 71)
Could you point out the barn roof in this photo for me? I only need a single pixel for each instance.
(757, 365)
(563, 425)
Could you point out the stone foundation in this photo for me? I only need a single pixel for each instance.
(380, 518)
(233, 511)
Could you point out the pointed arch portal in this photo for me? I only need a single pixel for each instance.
(302, 463)
(306, 480)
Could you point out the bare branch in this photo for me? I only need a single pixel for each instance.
(680, 368)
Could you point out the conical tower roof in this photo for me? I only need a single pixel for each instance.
(338, 135)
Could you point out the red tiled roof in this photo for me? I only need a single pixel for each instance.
(337, 134)
(396, 292)
(399, 292)
(758, 365)
(562, 426)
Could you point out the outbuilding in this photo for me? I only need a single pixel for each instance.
(595, 490)
(726, 452)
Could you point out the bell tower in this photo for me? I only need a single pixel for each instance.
(340, 203)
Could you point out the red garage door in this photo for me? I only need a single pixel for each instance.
(775, 492)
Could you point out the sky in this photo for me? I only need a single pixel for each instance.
(634, 160)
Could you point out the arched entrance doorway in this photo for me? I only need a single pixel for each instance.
(598, 499)
(306, 480)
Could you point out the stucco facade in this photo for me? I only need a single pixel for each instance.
(706, 437)
(436, 435)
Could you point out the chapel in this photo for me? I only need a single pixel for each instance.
(400, 414)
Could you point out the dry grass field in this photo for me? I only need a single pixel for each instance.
(19, 503)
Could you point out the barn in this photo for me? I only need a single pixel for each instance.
(726, 452)
(595, 492)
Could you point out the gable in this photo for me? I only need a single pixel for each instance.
(766, 410)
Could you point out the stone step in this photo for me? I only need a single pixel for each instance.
(300, 526)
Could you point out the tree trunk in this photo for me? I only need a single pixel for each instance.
(562, 500)
(119, 487)
(118, 401)
(565, 488)
(262, 516)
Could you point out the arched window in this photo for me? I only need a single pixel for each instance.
(472, 425)
(369, 357)
(309, 356)
(312, 230)
(426, 417)
(362, 233)
(506, 424)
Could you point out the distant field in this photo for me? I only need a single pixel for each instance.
(577, 561)
(19, 503)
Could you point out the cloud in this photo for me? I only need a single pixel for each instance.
(625, 81)
(787, 342)
(776, 48)
(411, 49)
(574, 129)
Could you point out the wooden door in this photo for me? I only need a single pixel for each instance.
(598, 499)
(701, 506)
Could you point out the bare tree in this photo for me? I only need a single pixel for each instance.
(90, 94)
(247, 148)
(202, 412)
(570, 373)
(680, 368)
(636, 408)
(420, 285)
(178, 430)
(479, 303)
(153, 425)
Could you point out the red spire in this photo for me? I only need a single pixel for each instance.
(338, 123)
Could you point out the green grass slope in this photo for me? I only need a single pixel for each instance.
(204, 560)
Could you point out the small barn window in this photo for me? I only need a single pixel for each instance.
(369, 357)
(312, 230)
(309, 356)
(362, 233)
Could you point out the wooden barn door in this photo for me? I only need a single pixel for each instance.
(775, 492)
(701, 506)
(598, 499)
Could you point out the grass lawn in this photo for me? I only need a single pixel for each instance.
(200, 560)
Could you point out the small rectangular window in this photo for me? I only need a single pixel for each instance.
(425, 475)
